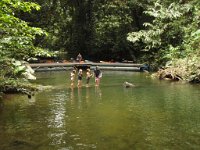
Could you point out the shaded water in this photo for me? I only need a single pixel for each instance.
(153, 115)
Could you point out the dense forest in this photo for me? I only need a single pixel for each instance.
(164, 34)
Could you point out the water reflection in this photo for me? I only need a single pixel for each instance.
(98, 92)
(79, 94)
(1, 104)
(72, 94)
(57, 118)
(84, 95)
(154, 115)
(87, 96)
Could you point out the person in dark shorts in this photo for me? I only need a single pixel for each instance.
(80, 76)
(97, 75)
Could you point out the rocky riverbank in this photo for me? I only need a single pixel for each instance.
(181, 70)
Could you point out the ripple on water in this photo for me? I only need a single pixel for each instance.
(154, 115)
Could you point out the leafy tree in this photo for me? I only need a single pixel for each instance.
(16, 41)
(114, 20)
(16, 38)
(172, 37)
(165, 36)
(69, 23)
(97, 29)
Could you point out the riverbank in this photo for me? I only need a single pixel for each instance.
(181, 70)
(17, 86)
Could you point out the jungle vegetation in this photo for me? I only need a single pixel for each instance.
(164, 34)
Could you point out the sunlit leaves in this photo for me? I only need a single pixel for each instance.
(161, 24)
(172, 34)
(16, 38)
(162, 12)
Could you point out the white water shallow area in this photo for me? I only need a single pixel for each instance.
(152, 115)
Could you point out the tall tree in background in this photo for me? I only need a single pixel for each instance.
(82, 27)
(55, 17)
(96, 28)
(70, 24)
(113, 20)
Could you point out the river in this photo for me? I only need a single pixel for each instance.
(152, 115)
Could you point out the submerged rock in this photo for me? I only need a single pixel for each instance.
(42, 87)
(128, 85)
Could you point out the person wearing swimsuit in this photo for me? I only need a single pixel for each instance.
(88, 76)
(72, 77)
(98, 75)
(80, 76)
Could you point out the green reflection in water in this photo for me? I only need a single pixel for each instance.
(153, 115)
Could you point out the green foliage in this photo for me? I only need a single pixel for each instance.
(97, 29)
(187, 69)
(173, 32)
(40, 52)
(16, 86)
(112, 15)
(16, 43)
(163, 30)
(11, 68)
(173, 36)
(14, 75)
(113, 21)
(16, 38)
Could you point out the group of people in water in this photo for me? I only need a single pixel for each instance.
(97, 74)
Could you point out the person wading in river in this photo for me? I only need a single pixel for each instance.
(72, 77)
(80, 76)
(88, 76)
(98, 75)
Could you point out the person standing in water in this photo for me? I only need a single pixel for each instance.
(72, 77)
(88, 76)
(98, 75)
(80, 76)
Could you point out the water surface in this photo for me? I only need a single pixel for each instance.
(153, 115)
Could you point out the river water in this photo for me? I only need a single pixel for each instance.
(153, 115)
